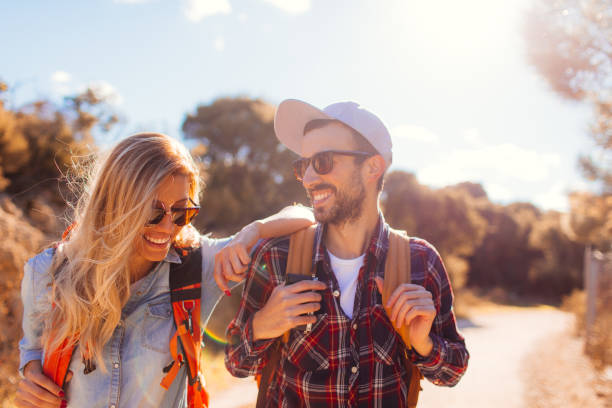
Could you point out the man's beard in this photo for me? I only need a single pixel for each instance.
(347, 207)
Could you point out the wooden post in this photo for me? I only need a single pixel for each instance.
(595, 265)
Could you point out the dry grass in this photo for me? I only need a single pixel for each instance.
(599, 342)
(558, 374)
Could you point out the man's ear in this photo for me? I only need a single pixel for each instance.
(374, 167)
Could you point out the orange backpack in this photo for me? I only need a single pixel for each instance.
(397, 271)
(185, 345)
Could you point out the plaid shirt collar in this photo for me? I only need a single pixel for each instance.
(378, 246)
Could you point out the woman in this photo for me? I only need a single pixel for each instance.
(108, 281)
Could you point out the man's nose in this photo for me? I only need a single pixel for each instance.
(310, 177)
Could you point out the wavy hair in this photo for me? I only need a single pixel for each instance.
(91, 278)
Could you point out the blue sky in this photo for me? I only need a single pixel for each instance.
(450, 79)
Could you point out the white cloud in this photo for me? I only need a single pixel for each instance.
(196, 10)
(61, 77)
(242, 17)
(413, 133)
(506, 161)
(472, 136)
(106, 91)
(219, 43)
(554, 198)
(498, 192)
(291, 6)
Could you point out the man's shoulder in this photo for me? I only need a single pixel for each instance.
(269, 245)
(420, 246)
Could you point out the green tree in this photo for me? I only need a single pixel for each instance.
(248, 172)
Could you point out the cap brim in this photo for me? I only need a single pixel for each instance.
(290, 119)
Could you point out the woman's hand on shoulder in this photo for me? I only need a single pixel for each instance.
(37, 390)
(232, 261)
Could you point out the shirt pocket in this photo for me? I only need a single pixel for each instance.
(158, 326)
(384, 337)
(310, 351)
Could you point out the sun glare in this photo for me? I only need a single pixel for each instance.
(450, 27)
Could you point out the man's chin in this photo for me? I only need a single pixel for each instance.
(321, 215)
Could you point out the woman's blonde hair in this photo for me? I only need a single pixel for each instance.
(91, 282)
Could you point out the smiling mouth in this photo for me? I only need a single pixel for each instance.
(319, 196)
(157, 242)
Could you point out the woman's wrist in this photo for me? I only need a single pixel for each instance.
(250, 234)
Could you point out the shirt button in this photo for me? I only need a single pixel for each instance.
(116, 365)
(354, 326)
(353, 369)
(336, 293)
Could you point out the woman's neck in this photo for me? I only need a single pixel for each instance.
(139, 268)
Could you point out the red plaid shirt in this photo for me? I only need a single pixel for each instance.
(344, 362)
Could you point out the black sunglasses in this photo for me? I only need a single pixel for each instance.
(322, 162)
(180, 215)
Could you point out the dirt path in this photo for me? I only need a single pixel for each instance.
(498, 341)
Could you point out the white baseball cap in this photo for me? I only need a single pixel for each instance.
(292, 115)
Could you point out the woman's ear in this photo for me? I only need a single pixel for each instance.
(374, 168)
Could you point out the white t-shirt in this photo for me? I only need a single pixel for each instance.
(346, 271)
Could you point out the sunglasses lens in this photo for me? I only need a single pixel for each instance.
(179, 217)
(299, 168)
(156, 216)
(183, 217)
(323, 162)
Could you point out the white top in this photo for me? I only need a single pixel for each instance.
(346, 271)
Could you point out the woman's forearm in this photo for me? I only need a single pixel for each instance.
(284, 222)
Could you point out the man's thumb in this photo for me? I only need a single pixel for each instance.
(379, 284)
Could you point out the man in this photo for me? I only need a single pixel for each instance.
(352, 355)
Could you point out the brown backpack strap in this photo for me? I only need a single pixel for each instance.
(299, 261)
(397, 271)
(301, 244)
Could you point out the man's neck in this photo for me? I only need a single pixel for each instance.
(349, 240)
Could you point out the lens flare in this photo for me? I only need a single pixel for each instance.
(214, 337)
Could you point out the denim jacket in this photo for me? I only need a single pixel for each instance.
(139, 348)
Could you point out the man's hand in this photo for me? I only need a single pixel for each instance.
(285, 307)
(232, 261)
(411, 306)
(37, 390)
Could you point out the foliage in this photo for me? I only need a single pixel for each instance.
(569, 42)
(515, 247)
(444, 217)
(39, 142)
(590, 218)
(248, 171)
